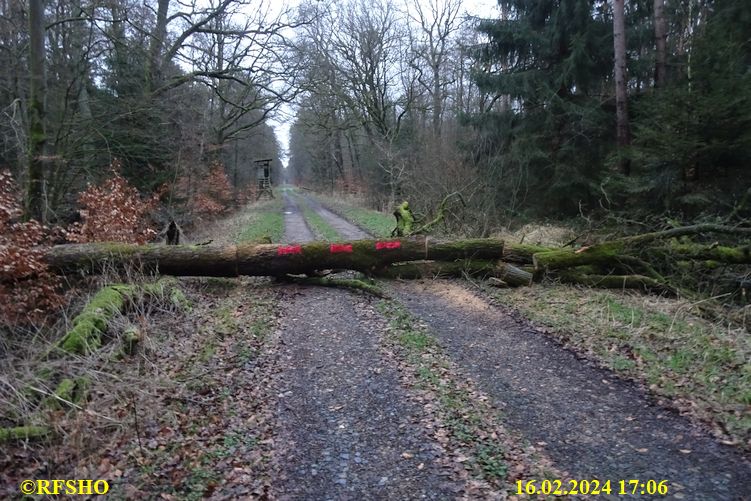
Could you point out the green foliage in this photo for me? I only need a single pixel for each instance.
(547, 145)
(692, 140)
(552, 131)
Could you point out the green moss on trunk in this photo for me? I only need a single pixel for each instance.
(23, 433)
(68, 392)
(715, 254)
(404, 220)
(91, 323)
(347, 283)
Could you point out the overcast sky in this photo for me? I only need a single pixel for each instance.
(284, 118)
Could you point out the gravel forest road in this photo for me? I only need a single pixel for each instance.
(347, 425)
(592, 424)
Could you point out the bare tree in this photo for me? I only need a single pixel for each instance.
(226, 45)
(437, 22)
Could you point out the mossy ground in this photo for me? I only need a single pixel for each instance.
(702, 366)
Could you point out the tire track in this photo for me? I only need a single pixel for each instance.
(346, 427)
(590, 423)
(295, 227)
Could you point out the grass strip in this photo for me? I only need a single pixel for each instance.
(265, 226)
(318, 225)
(703, 367)
(379, 224)
(468, 422)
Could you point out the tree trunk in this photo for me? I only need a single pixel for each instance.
(621, 94)
(437, 100)
(661, 56)
(153, 61)
(37, 136)
(509, 274)
(366, 256)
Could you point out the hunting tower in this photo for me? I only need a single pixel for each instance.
(263, 175)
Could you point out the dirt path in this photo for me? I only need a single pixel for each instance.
(590, 423)
(295, 228)
(346, 426)
(346, 230)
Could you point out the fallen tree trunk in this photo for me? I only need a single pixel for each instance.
(89, 325)
(23, 433)
(640, 261)
(509, 274)
(366, 256)
(609, 253)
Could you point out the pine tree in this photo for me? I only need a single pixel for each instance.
(692, 139)
(546, 61)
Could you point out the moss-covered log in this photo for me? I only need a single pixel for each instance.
(607, 253)
(88, 326)
(268, 260)
(205, 260)
(522, 253)
(131, 338)
(23, 433)
(434, 269)
(347, 283)
(69, 392)
(512, 276)
(602, 255)
(712, 253)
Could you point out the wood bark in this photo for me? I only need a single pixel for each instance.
(267, 260)
(618, 251)
(638, 261)
(37, 137)
(508, 273)
(24, 433)
(623, 136)
(153, 61)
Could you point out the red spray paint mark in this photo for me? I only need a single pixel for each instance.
(288, 249)
(388, 245)
(337, 248)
